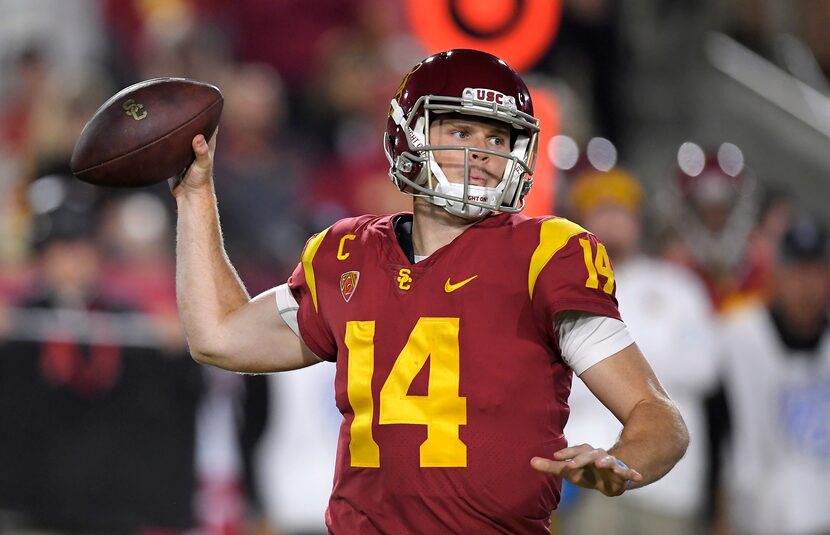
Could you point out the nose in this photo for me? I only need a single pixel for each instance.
(479, 143)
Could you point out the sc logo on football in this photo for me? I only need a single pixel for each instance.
(134, 109)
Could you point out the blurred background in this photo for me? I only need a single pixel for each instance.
(690, 136)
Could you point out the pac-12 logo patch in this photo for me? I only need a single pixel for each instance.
(348, 284)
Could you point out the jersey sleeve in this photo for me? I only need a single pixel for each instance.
(570, 271)
(314, 331)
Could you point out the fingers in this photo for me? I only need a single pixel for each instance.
(580, 456)
(573, 451)
(563, 469)
(198, 174)
(548, 466)
(584, 454)
(203, 152)
(622, 469)
(589, 467)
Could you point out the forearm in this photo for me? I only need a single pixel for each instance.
(208, 288)
(653, 439)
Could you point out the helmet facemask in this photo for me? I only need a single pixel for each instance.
(416, 171)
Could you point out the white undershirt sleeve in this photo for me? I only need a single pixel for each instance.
(586, 339)
(288, 307)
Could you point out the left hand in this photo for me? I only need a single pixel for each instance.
(589, 467)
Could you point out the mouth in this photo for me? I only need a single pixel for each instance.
(479, 177)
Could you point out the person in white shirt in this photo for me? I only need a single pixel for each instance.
(668, 313)
(777, 375)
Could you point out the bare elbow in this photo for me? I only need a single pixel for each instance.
(681, 432)
(201, 358)
(203, 354)
(684, 437)
(674, 430)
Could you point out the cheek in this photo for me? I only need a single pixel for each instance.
(501, 165)
(448, 157)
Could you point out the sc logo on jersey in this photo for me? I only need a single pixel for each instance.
(404, 279)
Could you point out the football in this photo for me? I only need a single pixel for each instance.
(143, 134)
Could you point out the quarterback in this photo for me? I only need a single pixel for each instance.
(455, 329)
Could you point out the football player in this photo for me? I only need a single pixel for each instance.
(454, 329)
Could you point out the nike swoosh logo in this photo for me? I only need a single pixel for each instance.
(450, 287)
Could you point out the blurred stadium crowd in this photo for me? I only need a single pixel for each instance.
(692, 140)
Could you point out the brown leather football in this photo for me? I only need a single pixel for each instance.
(143, 134)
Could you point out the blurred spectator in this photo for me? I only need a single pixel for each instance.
(777, 370)
(41, 115)
(29, 75)
(258, 174)
(358, 69)
(102, 413)
(220, 502)
(711, 209)
(297, 453)
(47, 98)
(136, 236)
(135, 232)
(179, 43)
(667, 310)
(28, 80)
(774, 218)
(281, 35)
(59, 116)
(231, 421)
(293, 49)
(69, 34)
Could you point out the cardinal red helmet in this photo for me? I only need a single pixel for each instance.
(472, 83)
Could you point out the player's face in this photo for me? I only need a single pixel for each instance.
(485, 169)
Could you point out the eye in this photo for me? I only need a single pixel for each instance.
(460, 133)
(498, 140)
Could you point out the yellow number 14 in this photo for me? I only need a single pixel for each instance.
(442, 410)
(601, 266)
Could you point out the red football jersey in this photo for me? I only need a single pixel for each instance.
(449, 376)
